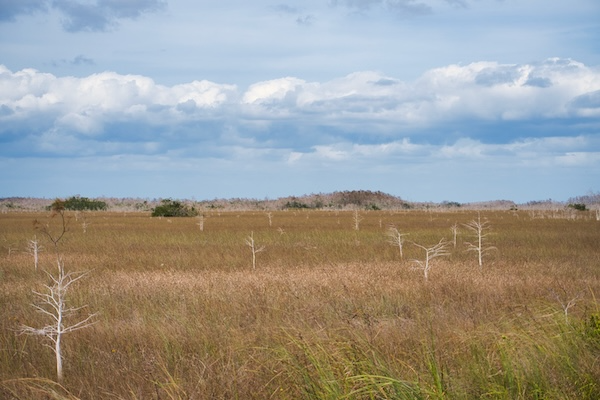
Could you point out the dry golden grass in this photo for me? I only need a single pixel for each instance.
(328, 312)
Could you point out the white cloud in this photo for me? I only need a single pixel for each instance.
(483, 90)
(87, 105)
(452, 112)
(271, 91)
(495, 91)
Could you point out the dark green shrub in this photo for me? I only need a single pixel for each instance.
(295, 204)
(173, 208)
(77, 203)
(578, 206)
(451, 204)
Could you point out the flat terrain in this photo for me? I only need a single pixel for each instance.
(329, 311)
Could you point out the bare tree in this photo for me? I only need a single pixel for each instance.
(395, 238)
(357, 218)
(200, 222)
(479, 228)
(52, 301)
(438, 250)
(85, 224)
(9, 246)
(454, 229)
(255, 250)
(34, 248)
(566, 301)
(270, 217)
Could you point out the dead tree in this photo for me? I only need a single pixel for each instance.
(52, 301)
(480, 229)
(435, 251)
(255, 250)
(395, 238)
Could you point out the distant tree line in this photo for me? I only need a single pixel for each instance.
(363, 199)
(589, 199)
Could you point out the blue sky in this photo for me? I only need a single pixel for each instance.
(430, 100)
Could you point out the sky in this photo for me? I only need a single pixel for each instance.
(428, 100)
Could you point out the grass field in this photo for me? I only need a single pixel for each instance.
(329, 312)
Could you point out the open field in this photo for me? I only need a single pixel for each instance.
(329, 312)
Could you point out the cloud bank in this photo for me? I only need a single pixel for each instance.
(474, 119)
(363, 107)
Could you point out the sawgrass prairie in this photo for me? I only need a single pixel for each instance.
(329, 311)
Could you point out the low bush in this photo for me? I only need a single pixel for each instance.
(172, 208)
(578, 206)
(77, 203)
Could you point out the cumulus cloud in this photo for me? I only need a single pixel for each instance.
(54, 114)
(356, 116)
(484, 90)
(275, 90)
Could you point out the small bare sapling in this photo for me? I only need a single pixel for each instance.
(9, 246)
(200, 222)
(480, 229)
(255, 250)
(395, 238)
(52, 301)
(566, 302)
(270, 217)
(438, 250)
(85, 224)
(454, 229)
(34, 248)
(356, 219)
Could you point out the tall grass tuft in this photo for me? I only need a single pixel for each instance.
(335, 367)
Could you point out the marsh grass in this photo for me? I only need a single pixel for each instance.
(329, 312)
